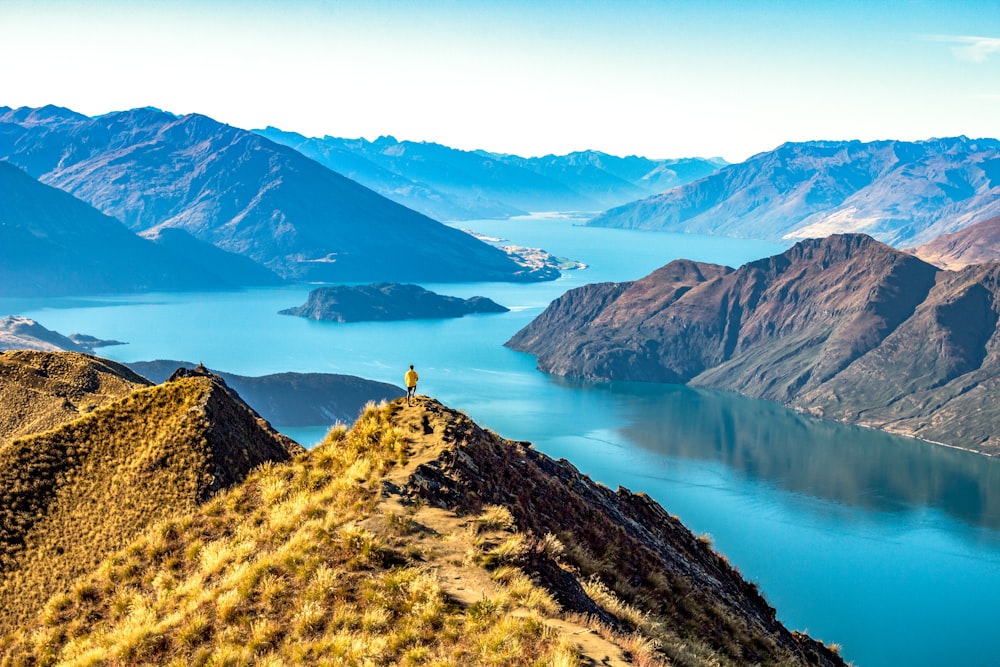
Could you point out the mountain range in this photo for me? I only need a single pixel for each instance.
(168, 525)
(845, 328)
(52, 244)
(902, 193)
(450, 184)
(247, 195)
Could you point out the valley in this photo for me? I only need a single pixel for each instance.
(787, 498)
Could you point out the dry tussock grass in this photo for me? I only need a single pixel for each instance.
(281, 571)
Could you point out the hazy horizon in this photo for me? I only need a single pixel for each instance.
(657, 79)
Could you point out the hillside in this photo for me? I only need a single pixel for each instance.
(415, 538)
(52, 244)
(76, 493)
(902, 193)
(41, 390)
(245, 194)
(450, 184)
(843, 327)
(381, 302)
(974, 244)
(291, 399)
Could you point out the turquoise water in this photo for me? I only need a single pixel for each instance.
(887, 546)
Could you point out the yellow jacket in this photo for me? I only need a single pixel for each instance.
(411, 378)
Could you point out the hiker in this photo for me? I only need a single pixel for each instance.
(411, 384)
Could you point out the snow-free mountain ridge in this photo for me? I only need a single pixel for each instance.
(900, 192)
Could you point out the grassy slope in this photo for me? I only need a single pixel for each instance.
(40, 390)
(329, 560)
(72, 495)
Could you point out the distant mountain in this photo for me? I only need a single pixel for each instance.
(77, 493)
(896, 191)
(974, 244)
(52, 244)
(244, 194)
(291, 399)
(451, 184)
(380, 302)
(22, 333)
(844, 327)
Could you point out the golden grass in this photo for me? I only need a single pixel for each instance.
(281, 571)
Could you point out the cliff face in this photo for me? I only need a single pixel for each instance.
(843, 327)
(73, 494)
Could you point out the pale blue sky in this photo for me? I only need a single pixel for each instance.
(661, 79)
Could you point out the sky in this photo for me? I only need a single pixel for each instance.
(662, 79)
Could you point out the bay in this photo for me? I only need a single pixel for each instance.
(887, 546)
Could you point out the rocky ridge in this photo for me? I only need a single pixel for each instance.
(291, 399)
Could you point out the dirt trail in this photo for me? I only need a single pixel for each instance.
(444, 540)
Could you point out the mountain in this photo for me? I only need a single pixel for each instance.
(291, 399)
(974, 244)
(243, 193)
(234, 268)
(845, 328)
(896, 191)
(451, 184)
(387, 301)
(77, 493)
(416, 537)
(22, 333)
(52, 244)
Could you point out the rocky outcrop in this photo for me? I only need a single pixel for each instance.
(387, 301)
(626, 540)
(843, 327)
(899, 192)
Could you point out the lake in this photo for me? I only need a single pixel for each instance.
(887, 546)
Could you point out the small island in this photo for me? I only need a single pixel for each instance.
(381, 302)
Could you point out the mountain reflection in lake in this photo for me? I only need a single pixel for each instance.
(764, 441)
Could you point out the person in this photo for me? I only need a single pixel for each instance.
(411, 384)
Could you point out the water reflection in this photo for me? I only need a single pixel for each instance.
(849, 465)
